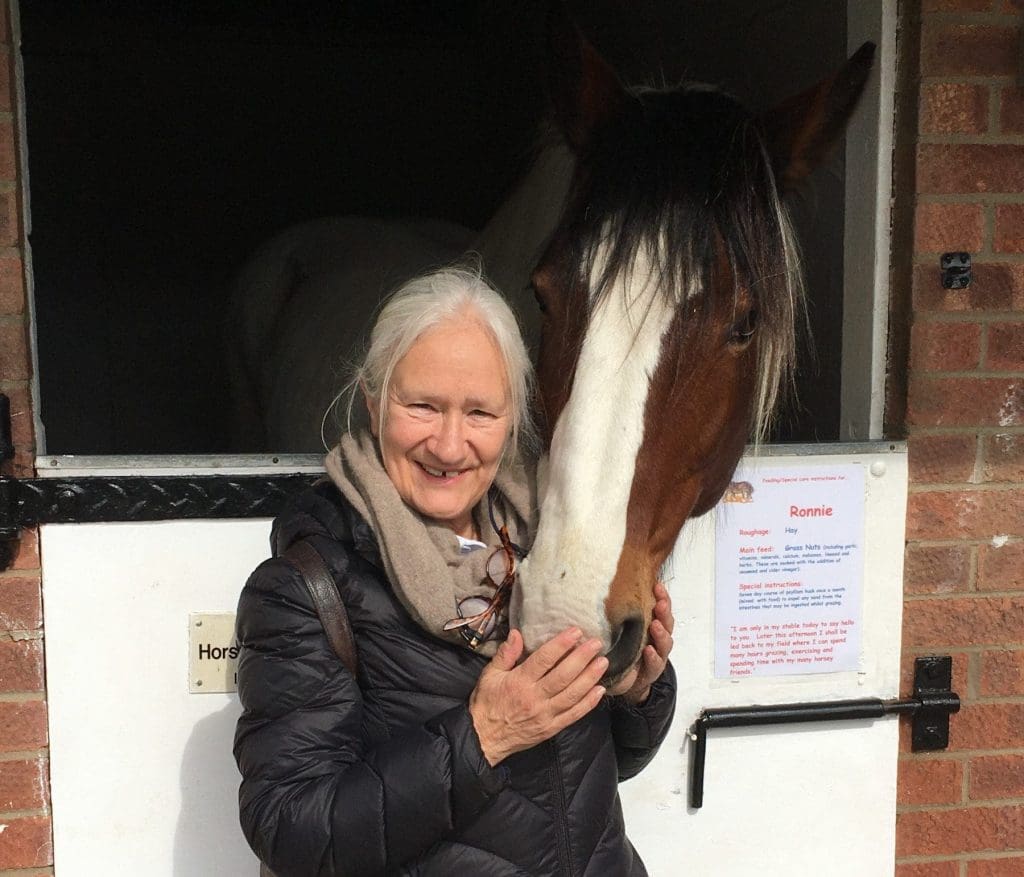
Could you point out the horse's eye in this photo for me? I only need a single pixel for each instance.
(743, 331)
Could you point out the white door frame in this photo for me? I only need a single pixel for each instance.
(867, 238)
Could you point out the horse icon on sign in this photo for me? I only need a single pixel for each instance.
(739, 491)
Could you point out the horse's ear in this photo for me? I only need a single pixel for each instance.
(584, 90)
(801, 130)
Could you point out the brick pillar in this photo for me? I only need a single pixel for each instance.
(961, 812)
(25, 842)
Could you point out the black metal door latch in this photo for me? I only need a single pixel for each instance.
(956, 270)
(930, 708)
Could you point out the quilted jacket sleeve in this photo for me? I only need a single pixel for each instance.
(317, 798)
(638, 731)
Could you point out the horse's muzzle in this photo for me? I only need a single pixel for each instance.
(625, 650)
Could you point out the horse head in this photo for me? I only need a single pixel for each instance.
(670, 292)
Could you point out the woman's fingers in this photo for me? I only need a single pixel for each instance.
(626, 682)
(654, 663)
(661, 638)
(655, 654)
(663, 606)
(580, 660)
(562, 660)
(516, 707)
(590, 699)
(576, 688)
(548, 655)
(509, 651)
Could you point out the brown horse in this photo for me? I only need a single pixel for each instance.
(670, 291)
(662, 259)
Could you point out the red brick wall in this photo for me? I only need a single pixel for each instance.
(25, 844)
(961, 812)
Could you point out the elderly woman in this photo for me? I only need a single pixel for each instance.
(449, 752)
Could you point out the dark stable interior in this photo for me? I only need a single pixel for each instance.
(165, 145)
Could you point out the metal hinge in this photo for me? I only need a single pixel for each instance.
(27, 502)
(930, 707)
(8, 534)
(6, 430)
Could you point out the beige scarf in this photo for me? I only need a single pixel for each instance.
(423, 558)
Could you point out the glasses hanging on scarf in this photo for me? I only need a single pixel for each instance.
(478, 617)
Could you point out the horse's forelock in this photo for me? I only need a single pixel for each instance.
(670, 193)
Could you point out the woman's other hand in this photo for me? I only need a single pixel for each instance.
(635, 686)
(516, 707)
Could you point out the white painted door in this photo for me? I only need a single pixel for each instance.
(795, 800)
(143, 779)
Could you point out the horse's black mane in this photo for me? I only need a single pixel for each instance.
(683, 164)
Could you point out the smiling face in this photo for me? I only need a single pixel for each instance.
(447, 420)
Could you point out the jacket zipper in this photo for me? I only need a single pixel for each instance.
(564, 853)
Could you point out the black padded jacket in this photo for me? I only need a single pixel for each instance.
(386, 776)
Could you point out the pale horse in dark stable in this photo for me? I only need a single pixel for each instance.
(655, 241)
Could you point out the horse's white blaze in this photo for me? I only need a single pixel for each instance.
(592, 459)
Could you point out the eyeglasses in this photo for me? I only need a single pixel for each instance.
(478, 616)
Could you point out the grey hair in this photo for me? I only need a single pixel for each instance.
(428, 301)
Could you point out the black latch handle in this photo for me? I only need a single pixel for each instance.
(931, 707)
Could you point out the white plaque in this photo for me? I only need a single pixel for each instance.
(212, 652)
(789, 571)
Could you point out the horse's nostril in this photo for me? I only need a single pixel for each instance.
(626, 647)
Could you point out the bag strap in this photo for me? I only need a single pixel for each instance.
(322, 588)
(327, 601)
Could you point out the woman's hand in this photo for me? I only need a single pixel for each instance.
(517, 707)
(635, 686)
